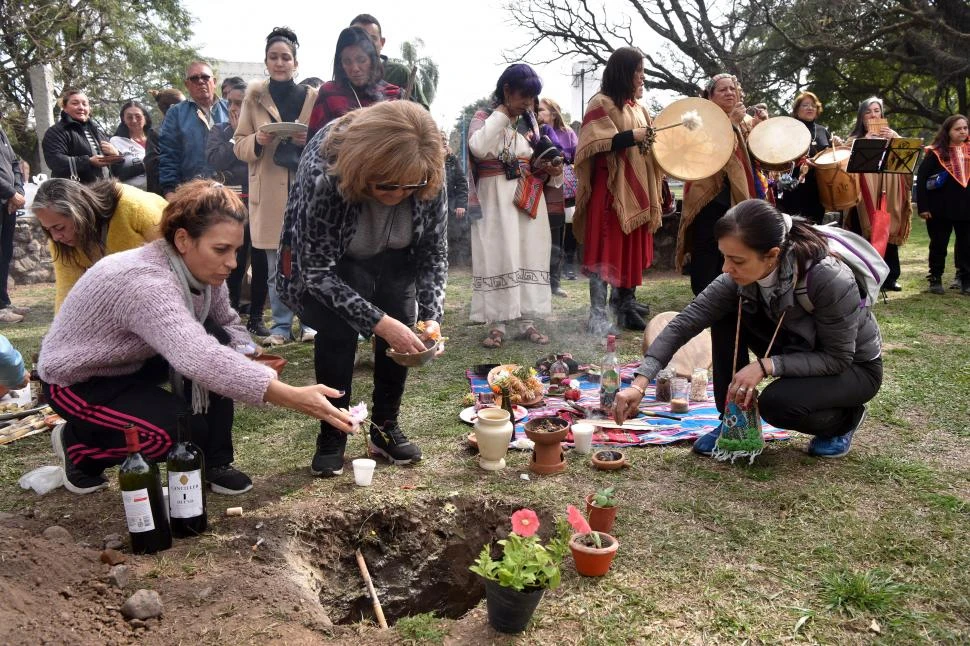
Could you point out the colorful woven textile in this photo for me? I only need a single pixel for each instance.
(702, 418)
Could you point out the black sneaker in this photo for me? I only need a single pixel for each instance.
(75, 480)
(936, 285)
(228, 480)
(328, 461)
(390, 442)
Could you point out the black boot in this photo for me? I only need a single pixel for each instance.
(257, 327)
(598, 323)
(628, 317)
(642, 308)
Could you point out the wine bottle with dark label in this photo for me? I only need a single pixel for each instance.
(186, 486)
(609, 375)
(141, 492)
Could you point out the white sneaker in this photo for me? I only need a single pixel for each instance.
(308, 336)
(7, 315)
(23, 311)
(274, 339)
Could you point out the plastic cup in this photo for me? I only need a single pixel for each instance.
(583, 437)
(363, 471)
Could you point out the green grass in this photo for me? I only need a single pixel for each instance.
(790, 549)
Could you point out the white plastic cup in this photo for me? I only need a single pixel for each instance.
(363, 471)
(583, 437)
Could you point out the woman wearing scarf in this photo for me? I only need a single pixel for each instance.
(803, 199)
(943, 199)
(705, 202)
(510, 246)
(356, 83)
(881, 193)
(618, 196)
(157, 314)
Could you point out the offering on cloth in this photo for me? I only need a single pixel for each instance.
(520, 381)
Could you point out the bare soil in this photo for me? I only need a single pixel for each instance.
(301, 585)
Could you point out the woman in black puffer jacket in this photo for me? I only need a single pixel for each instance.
(827, 354)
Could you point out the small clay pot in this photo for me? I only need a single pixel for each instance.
(547, 455)
(274, 361)
(417, 359)
(593, 561)
(601, 519)
(609, 459)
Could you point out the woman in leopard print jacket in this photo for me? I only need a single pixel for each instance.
(364, 249)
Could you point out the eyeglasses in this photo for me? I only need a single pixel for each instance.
(199, 78)
(388, 188)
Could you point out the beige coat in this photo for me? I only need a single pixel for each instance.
(268, 183)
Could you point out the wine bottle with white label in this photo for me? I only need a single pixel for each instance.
(186, 486)
(141, 491)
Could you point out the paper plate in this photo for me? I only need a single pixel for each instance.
(469, 416)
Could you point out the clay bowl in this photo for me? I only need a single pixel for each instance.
(609, 459)
(274, 361)
(547, 437)
(417, 359)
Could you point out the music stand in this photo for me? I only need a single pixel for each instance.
(896, 156)
(903, 155)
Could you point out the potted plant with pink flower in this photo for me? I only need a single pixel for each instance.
(592, 551)
(514, 584)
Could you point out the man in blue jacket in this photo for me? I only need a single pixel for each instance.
(11, 199)
(186, 127)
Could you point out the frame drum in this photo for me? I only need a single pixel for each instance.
(778, 142)
(690, 155)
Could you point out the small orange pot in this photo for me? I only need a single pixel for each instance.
(274, 361)
(601, 519)
(593, 561)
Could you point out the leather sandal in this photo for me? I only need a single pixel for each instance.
(494, 339)
(533, 335)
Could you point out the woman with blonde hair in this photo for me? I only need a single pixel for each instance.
(87, 223)
(76, 147)
(157, 315)
(364, 249)
(803, 199)
(272, 162)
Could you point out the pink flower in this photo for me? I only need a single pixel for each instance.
(525, 522)
(358, 414)
(576, 519)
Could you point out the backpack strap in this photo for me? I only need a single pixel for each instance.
(801, 289)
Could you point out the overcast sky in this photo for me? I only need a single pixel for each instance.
(465, 38)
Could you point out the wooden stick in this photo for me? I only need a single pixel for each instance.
(378, 610)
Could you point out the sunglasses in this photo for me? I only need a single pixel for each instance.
(388, 188)
(199, 78)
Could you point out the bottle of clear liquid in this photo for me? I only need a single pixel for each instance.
(609, 375)
(186, 486)
(141, 492)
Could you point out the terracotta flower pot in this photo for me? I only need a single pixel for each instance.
(601, 519)
(609, 459)
(593, 561)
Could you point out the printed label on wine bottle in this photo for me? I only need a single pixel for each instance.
(138, 510)
(185, 494)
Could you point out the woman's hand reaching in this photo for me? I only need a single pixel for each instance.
(399, 336)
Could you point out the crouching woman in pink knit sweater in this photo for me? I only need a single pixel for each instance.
(160, 314)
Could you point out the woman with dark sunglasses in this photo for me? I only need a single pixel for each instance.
(364, 252)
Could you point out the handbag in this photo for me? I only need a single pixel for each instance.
(528, 193)
(569, 182)
(934, 182)
(288, 155)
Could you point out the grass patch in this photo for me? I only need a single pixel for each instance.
(859, 592)
(421, 629)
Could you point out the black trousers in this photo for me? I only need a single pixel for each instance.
(706, 264)
(892, 259)
(245, 255)
(97, 412)
(387, 281)
(8, 223)
(570, 247)
(939, 229)
(556, 226)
